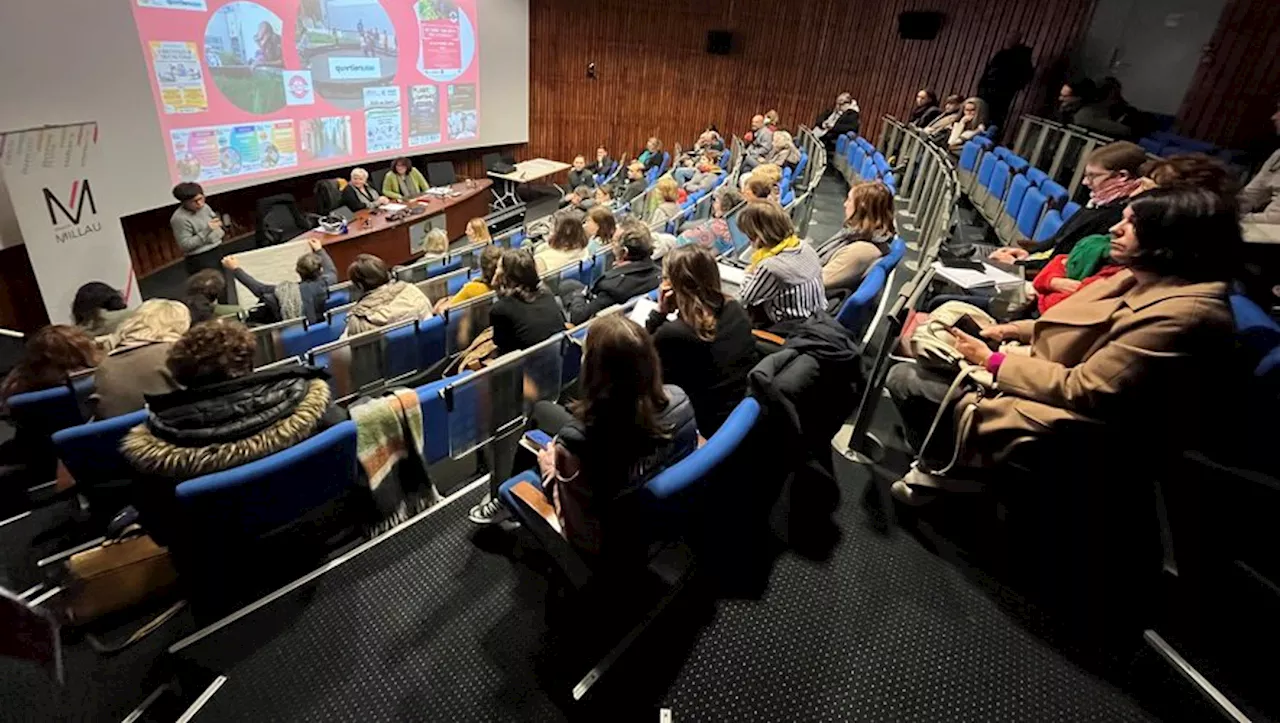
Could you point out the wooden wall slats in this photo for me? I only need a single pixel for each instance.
(1235, 89)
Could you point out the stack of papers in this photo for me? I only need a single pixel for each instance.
(732, 274)
(990, 277)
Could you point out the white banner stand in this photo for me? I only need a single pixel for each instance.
(63, 201)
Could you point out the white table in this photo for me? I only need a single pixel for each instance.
(506, 184)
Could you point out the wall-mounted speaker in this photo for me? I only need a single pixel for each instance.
(919, 25)
(719, 42)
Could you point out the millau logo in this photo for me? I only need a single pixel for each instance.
(70, 229)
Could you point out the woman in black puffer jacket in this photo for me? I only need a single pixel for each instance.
(225, 416)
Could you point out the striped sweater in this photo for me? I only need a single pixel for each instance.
(787, 286)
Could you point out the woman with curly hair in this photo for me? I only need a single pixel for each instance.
(225, 415)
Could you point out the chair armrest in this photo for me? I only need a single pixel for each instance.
(524, 496)
(538, 504)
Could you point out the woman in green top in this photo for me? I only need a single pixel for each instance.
(404, 181)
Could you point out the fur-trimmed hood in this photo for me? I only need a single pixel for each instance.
(194, 432)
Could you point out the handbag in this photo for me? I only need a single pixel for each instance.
(932, 343)
(477, 356)
(116, 575)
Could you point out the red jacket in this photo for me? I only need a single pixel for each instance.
(1057, 269)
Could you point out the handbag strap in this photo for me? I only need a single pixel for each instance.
(142, 632)
(966, 419)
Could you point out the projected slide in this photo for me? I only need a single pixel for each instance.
(256, 88)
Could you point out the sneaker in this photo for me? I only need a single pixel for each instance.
(911, 496)
(489, 512)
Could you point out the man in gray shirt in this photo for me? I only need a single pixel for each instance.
(761, 143)
(195, 226)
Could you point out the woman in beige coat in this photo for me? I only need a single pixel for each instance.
(1133, 350)
(136, 367)
(386, 301)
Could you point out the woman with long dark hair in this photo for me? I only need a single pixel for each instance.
(526, 312)
(627, 426)
(708, 348)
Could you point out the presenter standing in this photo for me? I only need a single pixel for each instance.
(195, 226)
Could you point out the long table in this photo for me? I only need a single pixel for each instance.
(506, 193)
(372, 232)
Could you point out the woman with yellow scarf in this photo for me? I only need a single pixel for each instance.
(784, 281)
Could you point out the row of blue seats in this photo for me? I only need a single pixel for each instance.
(1164, 143)
(1019, 200)
(862, 161)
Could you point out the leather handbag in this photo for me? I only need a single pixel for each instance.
(116, 575)
(932, 343)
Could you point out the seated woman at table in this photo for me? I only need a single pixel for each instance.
(292, 299)
(359, 195)
(567, 244)
(384, 300)
(783, 283)
(404, 181)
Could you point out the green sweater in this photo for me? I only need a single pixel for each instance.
(415, 185)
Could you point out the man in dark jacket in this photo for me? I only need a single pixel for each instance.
(634, 273)
(1008, 72)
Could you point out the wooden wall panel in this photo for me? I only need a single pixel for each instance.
(21, 306)
(1235, 89)
(654, 77)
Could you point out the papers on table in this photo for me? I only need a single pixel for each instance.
(989, 278)
(731, 274)
(393, 207)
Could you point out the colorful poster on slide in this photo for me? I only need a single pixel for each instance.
(248, 89)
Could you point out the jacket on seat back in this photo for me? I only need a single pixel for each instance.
(810, 387)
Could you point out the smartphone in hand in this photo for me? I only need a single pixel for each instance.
(968, 325)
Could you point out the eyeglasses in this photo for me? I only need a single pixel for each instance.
(1095, 176)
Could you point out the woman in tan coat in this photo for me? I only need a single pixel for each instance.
(1132, 350)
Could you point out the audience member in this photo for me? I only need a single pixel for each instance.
(713, 234)
(404, 181)
(939, 130)
(634, 273)
(603, 196)
(135, 367)
(195, 226)
(635, 182)
(383, 300)
(567, 245)
(51, 355)
(760, 188)
(224, 415)
(579, 174)
(435, 245)
(668, 201)
(203, 290)
(603, 162)
(1008, 72)
(359, 195)
(292, 299)
(926, 109)
(837, 120)
(1260, 200)
(651, 156)
(525, 311)
(600, 227)
(627, 426)
(1112, 173)
(1072, 97)
(708, 349)
(785, 154)
(784, 280)
(863, 240)
(702, 176)
(478, 287)
(1118, 353)
(771, 119)
(98, 308)
(709, 141)
(478, 231)
(973, 120)
(761, 142)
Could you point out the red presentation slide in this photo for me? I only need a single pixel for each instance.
(250, 89)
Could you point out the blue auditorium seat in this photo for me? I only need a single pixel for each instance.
(882, 164)
(1049, 225)
(969, 158)
(1152, 146)
(1001, 153)
(996, 189)
(91, 453)
(298, 340)
(804, 163)
(1069, 210)
(842, 144)
(1013, 199)
(1256, 331)
(1029, 213)
(868, 171)
(1017, 163)
(890, 261)
(1055, 193)
(1036, 176)
(46, 411)
(856, 310)
(341, 297)
(740, 240)
(666, 163)
(978, 191)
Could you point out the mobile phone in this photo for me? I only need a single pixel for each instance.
(967, 324)
(535, 440)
